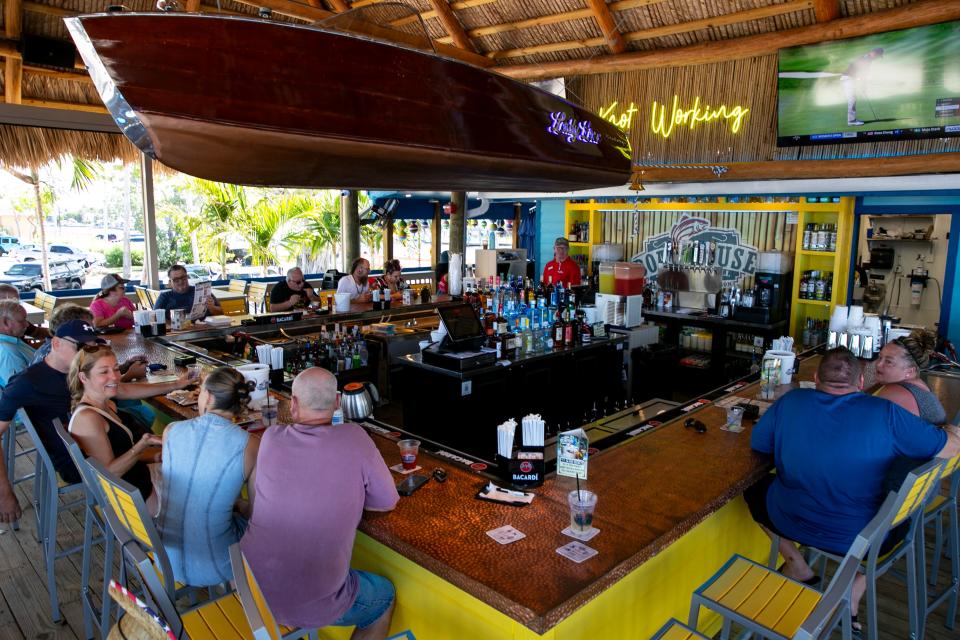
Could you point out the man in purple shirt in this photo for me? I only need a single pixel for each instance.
(312, 482)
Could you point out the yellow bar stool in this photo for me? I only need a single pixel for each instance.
(676, 630)
(93, 525)
(941, 507)
(920, 486)
(773, 606)
(259, 616)
(51, 497)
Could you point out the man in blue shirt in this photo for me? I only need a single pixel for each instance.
(181, 292)
(15, 355)
(832, 447)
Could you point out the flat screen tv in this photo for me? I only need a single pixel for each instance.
(887, 86)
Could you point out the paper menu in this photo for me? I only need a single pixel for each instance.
(572, 453)
(200, 294)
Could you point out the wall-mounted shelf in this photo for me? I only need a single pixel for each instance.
(901, 239)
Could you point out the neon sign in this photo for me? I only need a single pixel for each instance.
(572, 129)
(693, 116)
(664, 126)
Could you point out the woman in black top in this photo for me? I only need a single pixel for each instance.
(102, 435)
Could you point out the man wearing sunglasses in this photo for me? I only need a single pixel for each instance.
(181, 293)
(292, 293)
(42, 391)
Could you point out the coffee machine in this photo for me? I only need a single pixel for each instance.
(773, 293)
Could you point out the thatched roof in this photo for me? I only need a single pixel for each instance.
(512, 35)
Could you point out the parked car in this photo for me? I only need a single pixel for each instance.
(86, 258)
(137, 237)
(26, 276)
(246, 269)
(8, 244)
(197, 273)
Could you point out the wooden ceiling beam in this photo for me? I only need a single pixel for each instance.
(13, 66)
(912, 15)
(68, 106)
(552, 47)
(608, 27)
(670, 29)
(457, 5)
(826, 10)
(452, 25)
(809, 169)
(721, 21)
(340, 5)
(297, 10)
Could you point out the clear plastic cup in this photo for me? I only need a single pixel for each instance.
(408, 453)
(582, 505)
(194, 371)
(734, 418)
(269, 414)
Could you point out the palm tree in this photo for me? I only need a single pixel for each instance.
(220, 203)
(83, 174)
(271, 224)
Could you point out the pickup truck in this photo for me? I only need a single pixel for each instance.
(27, 276)
(58, 251)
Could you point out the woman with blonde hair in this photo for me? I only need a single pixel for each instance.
(125, 450)
(206, 461)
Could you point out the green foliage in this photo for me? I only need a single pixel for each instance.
(114, 257)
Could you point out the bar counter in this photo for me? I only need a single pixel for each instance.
(668, 512)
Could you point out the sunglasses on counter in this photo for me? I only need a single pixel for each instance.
(696, 425)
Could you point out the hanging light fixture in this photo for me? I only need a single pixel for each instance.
(414, 227)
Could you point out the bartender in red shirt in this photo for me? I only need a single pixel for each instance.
(562, 268)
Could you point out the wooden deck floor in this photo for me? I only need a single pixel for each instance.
(25, 611)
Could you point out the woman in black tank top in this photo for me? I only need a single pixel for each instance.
(101, 434)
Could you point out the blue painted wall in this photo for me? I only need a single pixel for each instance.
(550, 225)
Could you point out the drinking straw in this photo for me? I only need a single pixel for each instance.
(579, 497)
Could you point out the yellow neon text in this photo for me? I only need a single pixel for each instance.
(664, 126)
(623, 120)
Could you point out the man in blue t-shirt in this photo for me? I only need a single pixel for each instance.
(181, 292)
(832, 447)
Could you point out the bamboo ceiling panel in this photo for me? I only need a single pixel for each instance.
(765, 231)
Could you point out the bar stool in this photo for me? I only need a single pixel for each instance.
(676, 630)
(93, 522)
(774, 606)
(255, 606)
(48, 491)
(11, 454)
(939, 507)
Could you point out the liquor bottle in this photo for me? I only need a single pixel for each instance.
(501, 322)
(586, 333)
(550, 293)
(570, 331)
(559, 331)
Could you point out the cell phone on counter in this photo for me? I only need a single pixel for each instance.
(411, 484)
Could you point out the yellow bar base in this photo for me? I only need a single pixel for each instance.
(635, 607)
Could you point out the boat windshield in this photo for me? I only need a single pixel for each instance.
(385, 21)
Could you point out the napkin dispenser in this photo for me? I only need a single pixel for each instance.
(525, 468)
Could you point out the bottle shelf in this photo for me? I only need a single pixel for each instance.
(579, 244)
(808, 252)
(816, 303)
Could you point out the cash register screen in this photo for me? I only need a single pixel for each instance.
(461, 322)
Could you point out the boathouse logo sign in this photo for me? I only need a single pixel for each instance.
(572, 129)
(731, 256)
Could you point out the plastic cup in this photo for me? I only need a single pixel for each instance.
(269, 414)
(408, 453)
(582, 505)
(734, 418)
(193, 371)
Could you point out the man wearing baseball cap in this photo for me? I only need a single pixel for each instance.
(562, 268)
(42, 391)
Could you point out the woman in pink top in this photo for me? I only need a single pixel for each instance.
(111, 308)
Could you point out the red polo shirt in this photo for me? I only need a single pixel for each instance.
(567, 272)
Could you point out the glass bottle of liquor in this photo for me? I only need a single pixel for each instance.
(559, 330)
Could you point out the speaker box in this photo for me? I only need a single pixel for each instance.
(48, 52)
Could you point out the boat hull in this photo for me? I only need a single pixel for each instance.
(257, 102)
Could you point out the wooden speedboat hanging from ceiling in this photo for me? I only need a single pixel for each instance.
(256, 102)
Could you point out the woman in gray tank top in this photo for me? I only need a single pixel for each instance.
(206, 461)
(898, 370)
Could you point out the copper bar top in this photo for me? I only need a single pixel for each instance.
(652, 490)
